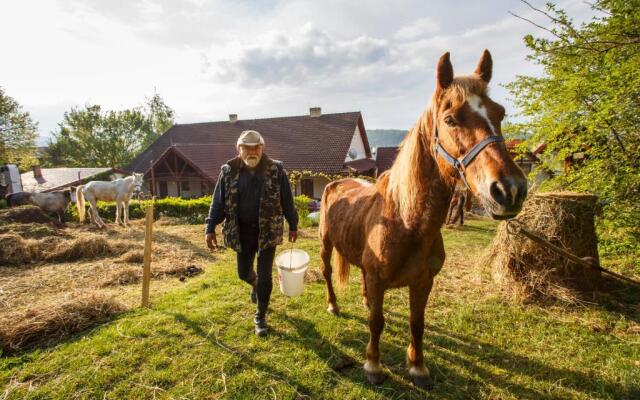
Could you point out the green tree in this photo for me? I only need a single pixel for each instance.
(18, 134)
(587, 102)
(89, 137)
(160, 117)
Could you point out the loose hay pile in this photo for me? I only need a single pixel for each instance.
(16, 251)
(47, 325)
(528, 271)
(26, 214)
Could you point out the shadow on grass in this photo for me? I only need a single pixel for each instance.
(245, 359)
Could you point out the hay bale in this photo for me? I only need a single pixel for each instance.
(86, 246)
(25, 214)
(16, 251)
(48, 325)
(527, 271)
(133, 256)
(125, 276)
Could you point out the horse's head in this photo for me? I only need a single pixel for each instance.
(71, 194)
(138, 180)
(468, 142)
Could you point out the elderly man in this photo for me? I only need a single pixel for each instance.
(251, 196)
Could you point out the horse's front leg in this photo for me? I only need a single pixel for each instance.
(418, 296)
(375, 295)
(125, 209)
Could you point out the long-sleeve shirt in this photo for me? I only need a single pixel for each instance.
(249, 190)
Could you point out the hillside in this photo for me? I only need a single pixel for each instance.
(385, 137)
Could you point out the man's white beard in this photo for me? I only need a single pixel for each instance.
(251, 161)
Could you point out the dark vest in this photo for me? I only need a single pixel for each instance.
(270, 221)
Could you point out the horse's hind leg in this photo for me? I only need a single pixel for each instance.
(118, 207)
(325, 254)
(95, 216)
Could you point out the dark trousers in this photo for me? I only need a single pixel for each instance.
(246, 272)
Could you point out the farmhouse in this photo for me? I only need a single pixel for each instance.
(185, 161)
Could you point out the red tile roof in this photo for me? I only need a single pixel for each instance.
(385, 157)
(361, 165)
(318, 144)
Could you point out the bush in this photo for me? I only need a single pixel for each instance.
(3, 203)
(302, 203)
(194, 211)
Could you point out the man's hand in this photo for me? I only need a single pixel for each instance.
(210, 238)
(293, 236)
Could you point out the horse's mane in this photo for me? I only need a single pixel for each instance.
(406, 177)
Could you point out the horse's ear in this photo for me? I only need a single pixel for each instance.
(444, 73)
(485, 66)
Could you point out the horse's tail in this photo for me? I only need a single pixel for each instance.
(7, 198)
(80, 202)
(342, 268)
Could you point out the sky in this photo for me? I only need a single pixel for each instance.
(262, 58)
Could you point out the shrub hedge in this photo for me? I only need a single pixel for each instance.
(193, 210)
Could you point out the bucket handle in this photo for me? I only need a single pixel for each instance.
(291, 256)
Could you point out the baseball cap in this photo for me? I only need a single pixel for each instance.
(250, 138)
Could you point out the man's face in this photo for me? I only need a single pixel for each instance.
(251, 155)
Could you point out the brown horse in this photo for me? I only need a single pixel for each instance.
(391, 229)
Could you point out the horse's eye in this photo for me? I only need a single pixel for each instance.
(449, 120)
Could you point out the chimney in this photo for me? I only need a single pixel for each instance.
(37, 172)
(233, 118)
(315, 111)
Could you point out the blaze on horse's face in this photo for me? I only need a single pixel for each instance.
(465, 116)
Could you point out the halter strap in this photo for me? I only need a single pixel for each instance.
(461, 165)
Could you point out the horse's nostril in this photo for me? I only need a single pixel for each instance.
(497, 192)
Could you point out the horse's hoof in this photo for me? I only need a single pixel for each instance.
(375, 378)
(421, 378)
(423, 382)
(333, 310)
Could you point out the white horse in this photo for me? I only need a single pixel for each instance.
(119, 190)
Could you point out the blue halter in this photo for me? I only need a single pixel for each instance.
(461, 165)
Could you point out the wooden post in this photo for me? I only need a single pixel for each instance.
(146, 272)
(153, 181)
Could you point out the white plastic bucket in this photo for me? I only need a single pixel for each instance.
(292, 264)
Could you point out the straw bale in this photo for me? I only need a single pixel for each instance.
(528, 271)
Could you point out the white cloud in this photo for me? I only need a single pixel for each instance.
(208, 58)
(416, 29)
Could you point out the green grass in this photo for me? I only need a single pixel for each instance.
(197, 342)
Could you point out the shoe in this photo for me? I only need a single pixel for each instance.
(261, 325)
(254, 295)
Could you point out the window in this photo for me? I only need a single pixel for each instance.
(185, 185)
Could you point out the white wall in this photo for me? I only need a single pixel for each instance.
(356, 144)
